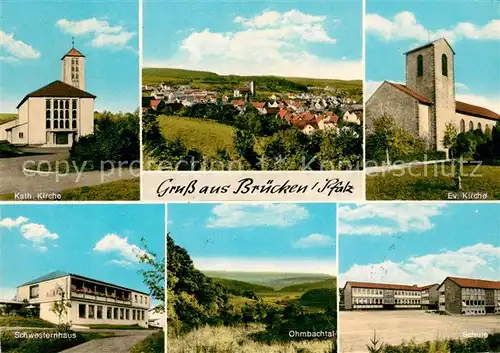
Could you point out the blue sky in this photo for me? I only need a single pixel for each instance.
(106, 32)
(309, 39)
(293, 238)
(418, 243)
(472, 28)
(95, 240)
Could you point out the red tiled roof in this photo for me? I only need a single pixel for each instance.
(238, 103)
(429, 286)
(475, 283)
(258, 104)
(154, 103)
(475, 110)
(73, 52)
(411, 92)
(383, 286)
(243, 89)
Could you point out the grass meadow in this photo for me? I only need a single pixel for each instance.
(432, 183)
(6, 117)
(236, 339)
(206, 136)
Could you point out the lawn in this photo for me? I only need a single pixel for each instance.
(6, 117)
(432, 182)
(152, 344)
(34, 344)
(20, 321)
(120, 190)
(203, 135)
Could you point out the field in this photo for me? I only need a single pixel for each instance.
(356, 328)
(212, 81)
(237, 340)
(205, 136)
(6, 117)
(430, 183)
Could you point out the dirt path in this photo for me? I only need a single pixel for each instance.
(15, 180)
(122, 343)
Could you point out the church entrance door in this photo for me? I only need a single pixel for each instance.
(61, 138)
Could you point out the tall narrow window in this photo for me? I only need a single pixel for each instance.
(444, 65)
(479, 126)
(471, 126)
(420, 65)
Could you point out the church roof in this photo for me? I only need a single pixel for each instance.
(430, 44)
(57, 89)
(73, 52)
(411, 92)
(469, 109)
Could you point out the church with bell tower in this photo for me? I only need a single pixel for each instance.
(55, 115)
(426, 102)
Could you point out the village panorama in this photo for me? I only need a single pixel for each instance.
(196, 120)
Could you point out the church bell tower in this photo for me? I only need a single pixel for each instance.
(73, 68)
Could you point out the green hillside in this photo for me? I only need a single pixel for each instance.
(303, 287)
(211, 80)
(6, 117)
(203, 135)
(275, 280)
(235, 285)
(320, 298)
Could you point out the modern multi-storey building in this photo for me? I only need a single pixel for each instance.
(364, 295)
(469, 296)
(429, 296)
(91, 301)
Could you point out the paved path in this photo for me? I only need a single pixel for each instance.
(13, 179)
(124, 341)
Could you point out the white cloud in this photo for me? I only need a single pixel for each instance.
(405, 26)
(37, 233)
(476, 261)
(104, 35)
(113, 243)
(314, 241)
(121, 263)
(461, 86)
(11, 223)
(265, 265)
(272, 43)
(17, 49)
(492, 103)
(43, 248)
(239, 216)
(402, 218)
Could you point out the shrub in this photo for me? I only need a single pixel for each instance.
(115, 141)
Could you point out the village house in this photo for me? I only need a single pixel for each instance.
(92, 301)
(57, 114)
(426, 103)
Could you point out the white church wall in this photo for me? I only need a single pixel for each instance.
(475, 120)
(3, 129)
(36, 115)
(86, 120)
(423, 120)
(19, 135)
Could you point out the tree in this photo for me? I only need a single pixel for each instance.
(244, 145)
(450, 136)
(154, 277)
(60, 309)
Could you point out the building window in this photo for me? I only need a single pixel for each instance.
(81, 311)
(115, 313)
(420, 65)
(122, 314)
(444, 65)
(21, 135)
(99, 312)
(91, 311)
(127, 314)
(109, 313)
(479, 126)
(133, 314)
(471, 126)
(141, 299)
(145, 300)
(135, 298)
(34, 290)
(142, 315)
(48, 123)
(462, 125)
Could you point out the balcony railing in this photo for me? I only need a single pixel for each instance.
(108, 298)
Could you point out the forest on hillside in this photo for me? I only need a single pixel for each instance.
(219, 316)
